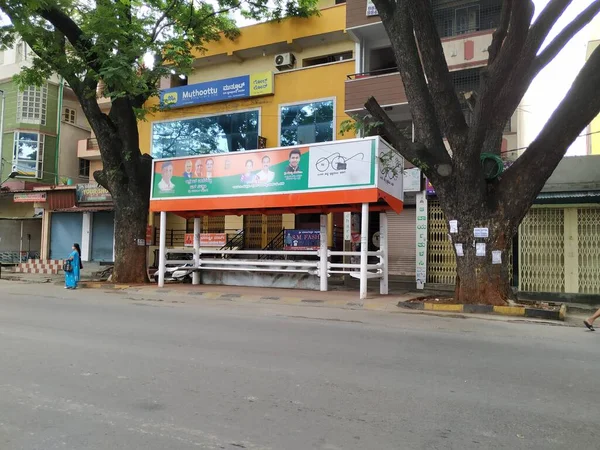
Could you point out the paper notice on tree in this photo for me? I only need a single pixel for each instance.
(459, 250)
(496, 257)
(453, 226)
(481, 232)
(480, 249)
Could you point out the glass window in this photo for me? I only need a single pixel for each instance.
(69, 115)
(84, 167)
(224, 133)
(31, 105)
(28, 154)
(307, 123)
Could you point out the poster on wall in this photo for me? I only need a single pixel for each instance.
(206, 240)
(302, 240)
(299, 169)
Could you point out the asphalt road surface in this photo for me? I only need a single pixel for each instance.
(92, 369)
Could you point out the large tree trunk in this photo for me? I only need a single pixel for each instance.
(126, 173)
(131, 218)
(479, 280)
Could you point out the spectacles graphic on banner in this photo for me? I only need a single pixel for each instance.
(335, 161)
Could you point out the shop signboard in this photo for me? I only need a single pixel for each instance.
(92, 193)
(340, 172)
(302, 240)
(207, 239)
(29, 197)
(235, 88)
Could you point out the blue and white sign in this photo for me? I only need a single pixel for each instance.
(218, 91)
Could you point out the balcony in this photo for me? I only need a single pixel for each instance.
(88, 149)
(385, 86)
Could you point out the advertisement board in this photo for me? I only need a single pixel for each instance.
(302, 240)
(92, 193)
(235, 88)
(301, 169)
(29, 197)
(206, 239)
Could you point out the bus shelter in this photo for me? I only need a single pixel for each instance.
(356, 175)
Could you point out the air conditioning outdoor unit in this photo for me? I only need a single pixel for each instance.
(284, 61)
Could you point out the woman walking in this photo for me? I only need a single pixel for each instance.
(72, 276)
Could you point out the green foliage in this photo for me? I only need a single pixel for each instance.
(106, 40)
(361, 126)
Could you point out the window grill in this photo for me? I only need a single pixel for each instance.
(456, 17)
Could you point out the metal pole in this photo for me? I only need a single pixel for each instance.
(323, 253)
(196, 274)
(364, 248)
(21, 244)
(162, 249)
(2, 133)
(383, 248)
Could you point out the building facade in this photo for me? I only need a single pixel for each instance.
(40, 129)
(278, 84)
(466, 29)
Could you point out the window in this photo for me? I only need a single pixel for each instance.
(326, 59)
(22, 51)
(84, 167)
(467, 19)
(307, 123)
(69, 115)
(28, 154)
(31, 105)
(223, 133)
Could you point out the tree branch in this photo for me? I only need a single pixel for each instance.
(441, 86)
(396, 19)
(500, 32)
(519, 186)
(558, 43)
(415, 152)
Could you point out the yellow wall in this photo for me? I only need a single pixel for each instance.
(265, 63)
(312, 83)
(263, 34)
(594, 129)
(9, 209)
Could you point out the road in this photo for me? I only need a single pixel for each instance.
(94, 369)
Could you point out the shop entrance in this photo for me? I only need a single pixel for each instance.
(260, 230)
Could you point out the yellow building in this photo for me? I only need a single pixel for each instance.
(594, 128)
(277, 84)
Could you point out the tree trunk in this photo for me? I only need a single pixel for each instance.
(131, 219)
(479, 278)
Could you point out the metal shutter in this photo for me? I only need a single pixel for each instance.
(402, 234)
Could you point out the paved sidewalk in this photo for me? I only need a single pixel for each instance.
(338, 297)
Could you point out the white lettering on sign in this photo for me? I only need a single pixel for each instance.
(421, 223)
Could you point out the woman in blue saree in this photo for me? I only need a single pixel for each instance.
(72, 277)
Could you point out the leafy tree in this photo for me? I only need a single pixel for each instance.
(100, 45)
(466, 189)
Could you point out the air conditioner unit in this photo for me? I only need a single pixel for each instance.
(284, 61)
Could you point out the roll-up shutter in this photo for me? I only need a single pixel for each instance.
(402, 237)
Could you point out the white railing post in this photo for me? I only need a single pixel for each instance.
(383, 248)
(161, 249)
(323, 253)
(364, 249)
(196, 274)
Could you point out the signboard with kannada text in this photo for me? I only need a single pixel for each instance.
(29, 197)
(206, 239)
(235, 88)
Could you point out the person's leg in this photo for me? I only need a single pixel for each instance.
(591, 319)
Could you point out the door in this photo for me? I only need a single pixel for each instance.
(103, 229)
(65, 229)
(402, 237)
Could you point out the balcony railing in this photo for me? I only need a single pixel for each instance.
(92, 144)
